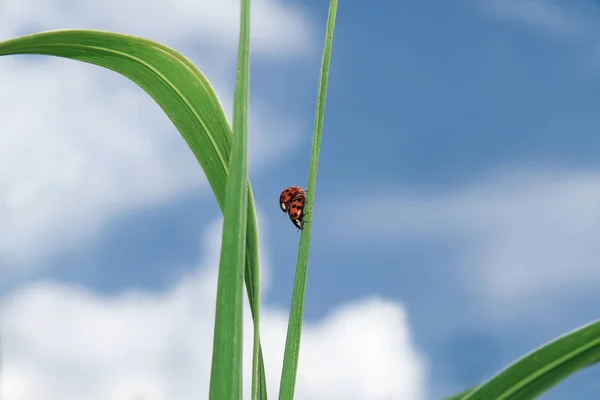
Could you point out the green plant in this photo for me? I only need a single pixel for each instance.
(292, 345)
(188, 99)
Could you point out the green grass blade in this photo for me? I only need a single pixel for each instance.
(182, 92)
(259, 382)
(460, 395)
(226, 372)
(543, 368)
(292, 345)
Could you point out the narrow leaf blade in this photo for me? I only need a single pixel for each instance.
(226, 372)
(292, 345)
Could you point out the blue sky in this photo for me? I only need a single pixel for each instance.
(456, 210)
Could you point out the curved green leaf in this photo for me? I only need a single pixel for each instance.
(292, 344)
(543, 368)
(187, 98)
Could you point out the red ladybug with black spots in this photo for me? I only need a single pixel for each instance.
(288, 195)
(296, 210)
(292, 201)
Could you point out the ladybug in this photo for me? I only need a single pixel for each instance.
(296, 210)
(288, 195)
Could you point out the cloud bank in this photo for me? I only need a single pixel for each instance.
(529, 235)
(64, 342)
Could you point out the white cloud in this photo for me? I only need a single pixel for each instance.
(81, 144)
(361, 351)
(62, 342)
(531, 237)
(544, 15)
(71, 159)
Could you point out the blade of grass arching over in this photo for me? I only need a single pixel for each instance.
(292, 345)
(543, 368)
(226, 371)
(182, 92)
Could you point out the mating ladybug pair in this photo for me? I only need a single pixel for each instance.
(292, 201)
